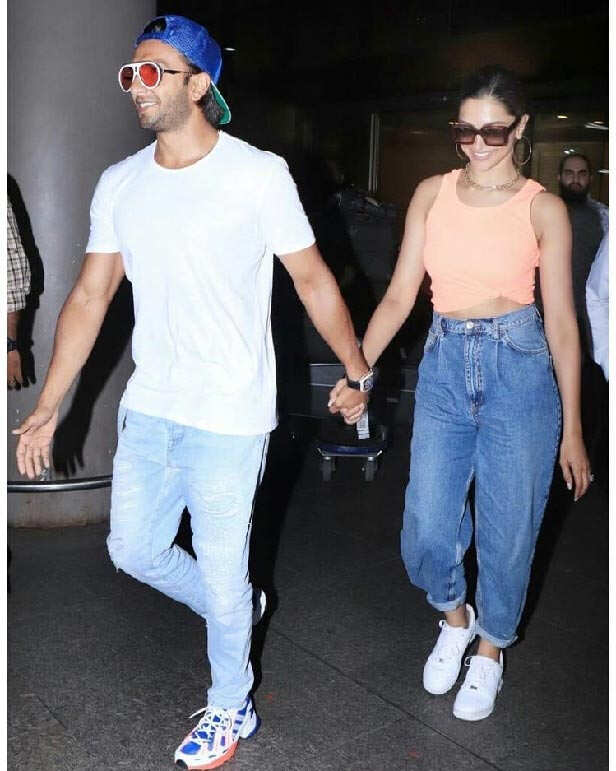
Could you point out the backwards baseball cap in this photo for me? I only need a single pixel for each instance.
(195, 43)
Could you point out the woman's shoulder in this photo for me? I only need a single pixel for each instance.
(431, 183)
(435, 182)
(546, 204)
(429, 188)
(548, 213)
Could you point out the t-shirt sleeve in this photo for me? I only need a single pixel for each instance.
(284, 222)
(102, 238)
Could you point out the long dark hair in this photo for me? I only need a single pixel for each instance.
(498, 83)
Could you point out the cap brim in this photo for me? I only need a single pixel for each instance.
(226, 118)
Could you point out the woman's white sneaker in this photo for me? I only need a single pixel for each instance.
(443, 665)
(483, 681)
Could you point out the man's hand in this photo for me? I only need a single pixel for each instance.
(349, 402)
(13, 369)
(35, 435)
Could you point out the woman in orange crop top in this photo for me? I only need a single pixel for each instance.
(486, 404)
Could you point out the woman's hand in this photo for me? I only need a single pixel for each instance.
(575, 465)
(348, 401)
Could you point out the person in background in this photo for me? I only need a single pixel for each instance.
(589, 223)
(193, 220)
(18, 287)
(487, 407)
(598, 305)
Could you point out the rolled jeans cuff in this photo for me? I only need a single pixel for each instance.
(449, 605)
(499, 642)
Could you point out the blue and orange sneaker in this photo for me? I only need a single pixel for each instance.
(214, 739)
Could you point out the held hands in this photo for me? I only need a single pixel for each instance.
(35, 435)
(349, 402)
(575, 465)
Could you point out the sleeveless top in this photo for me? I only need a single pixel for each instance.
(474, 254)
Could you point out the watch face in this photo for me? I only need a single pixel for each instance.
(367, 383)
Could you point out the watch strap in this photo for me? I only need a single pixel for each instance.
(360, 385)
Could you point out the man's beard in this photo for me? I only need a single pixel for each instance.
(175, 115)
(573, 196)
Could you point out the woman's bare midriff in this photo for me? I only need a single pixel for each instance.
(487, 310)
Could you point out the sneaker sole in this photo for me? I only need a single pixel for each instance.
(214, 764)
(481, 715)
(223, 758)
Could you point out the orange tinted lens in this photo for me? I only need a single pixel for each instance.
(149, 74)
(126, 77)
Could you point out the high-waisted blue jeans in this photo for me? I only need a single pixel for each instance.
(160, 467)
(486, 408)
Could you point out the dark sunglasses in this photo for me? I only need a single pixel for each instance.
(150, 74)
(493, 136)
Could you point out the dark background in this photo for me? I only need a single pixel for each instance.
(305, 79)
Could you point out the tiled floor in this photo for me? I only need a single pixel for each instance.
(103, 672)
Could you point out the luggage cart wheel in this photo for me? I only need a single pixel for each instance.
(327, 469)
(370, 469)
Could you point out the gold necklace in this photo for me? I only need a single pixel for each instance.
(505, 186)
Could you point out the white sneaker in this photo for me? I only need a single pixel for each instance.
(483, 681)
(443, 665)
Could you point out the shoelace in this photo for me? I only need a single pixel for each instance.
(450, 646)
(208, 723)
(478, 672)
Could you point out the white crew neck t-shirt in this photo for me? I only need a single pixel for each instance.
(197, 245)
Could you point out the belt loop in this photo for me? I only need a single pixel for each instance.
(443, 326)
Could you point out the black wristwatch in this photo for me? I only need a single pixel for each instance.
(365, 382)
(11, 345)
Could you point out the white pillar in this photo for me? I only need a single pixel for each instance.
(67, 121)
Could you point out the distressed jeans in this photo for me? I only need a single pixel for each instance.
(159, 468)
(486, 408)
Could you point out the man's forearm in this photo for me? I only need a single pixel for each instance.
(329, 314)
(78, 326)
(12, 322)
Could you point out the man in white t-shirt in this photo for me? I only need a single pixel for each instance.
(193, 220)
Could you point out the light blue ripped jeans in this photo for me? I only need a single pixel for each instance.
(486, 408)
(159, 468)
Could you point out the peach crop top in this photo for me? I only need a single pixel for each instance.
(474, 254)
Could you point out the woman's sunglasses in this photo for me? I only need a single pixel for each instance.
(150, 74)
(493, 136)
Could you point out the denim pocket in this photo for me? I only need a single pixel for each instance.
(430, 340)
(526, 338)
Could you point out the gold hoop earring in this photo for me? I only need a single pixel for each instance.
(462, 156)
(530, 151)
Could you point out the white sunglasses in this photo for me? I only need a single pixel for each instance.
(150, 74)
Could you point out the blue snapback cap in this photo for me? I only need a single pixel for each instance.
(195, 43)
